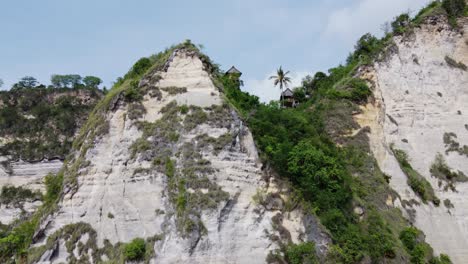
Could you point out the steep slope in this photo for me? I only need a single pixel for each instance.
(176, 166)
(420, 107)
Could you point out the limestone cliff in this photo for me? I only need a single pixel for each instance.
(420, 107)
(178, 168)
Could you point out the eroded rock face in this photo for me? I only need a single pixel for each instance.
(419, 97)
(188, 172)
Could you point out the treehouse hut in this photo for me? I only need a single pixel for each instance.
(287, 99)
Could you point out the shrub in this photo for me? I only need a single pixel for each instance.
(400, 24)
(413, 240)
(442, 171)
(360, 90)
(409, 237)
(380, 238)
(303, 253)
(135, 250)
(442, 259)
(140, 67)
(132, 95)
(53, 185)
(184, 109)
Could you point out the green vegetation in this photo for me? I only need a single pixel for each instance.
(195, 117)
(11, 195)
(453, 146)
(454, 9)
(174, 90)
(75, 81)
(42, 122)
(135, 250)
(415, 180)
(300, 144)
(442, 171)
(83, 252)
(135, 111)
(453, 63)
(301, 254)
(412, 240)
(400, 24)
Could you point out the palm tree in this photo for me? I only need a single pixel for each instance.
(282, 79)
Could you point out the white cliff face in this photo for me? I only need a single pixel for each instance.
(419, 98)
(123, 197)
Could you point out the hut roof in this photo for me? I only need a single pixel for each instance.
(288, 93)
(233, 70)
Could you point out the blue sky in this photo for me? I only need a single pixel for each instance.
(105, 37)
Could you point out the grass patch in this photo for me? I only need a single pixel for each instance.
(415, 180)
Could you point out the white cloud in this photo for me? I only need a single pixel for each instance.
(265, 89)
(349, 23)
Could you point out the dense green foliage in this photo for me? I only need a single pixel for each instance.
(301, 254)
(421, 252)
(135, 250)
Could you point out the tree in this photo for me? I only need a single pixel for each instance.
(312, 84)
(1, 83)
(281, 79)
(400, 23)
(367, 45)
(26, 82)
(66, 81)
(92, 81)
(299, 94)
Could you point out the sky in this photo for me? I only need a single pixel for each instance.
(104, 38)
